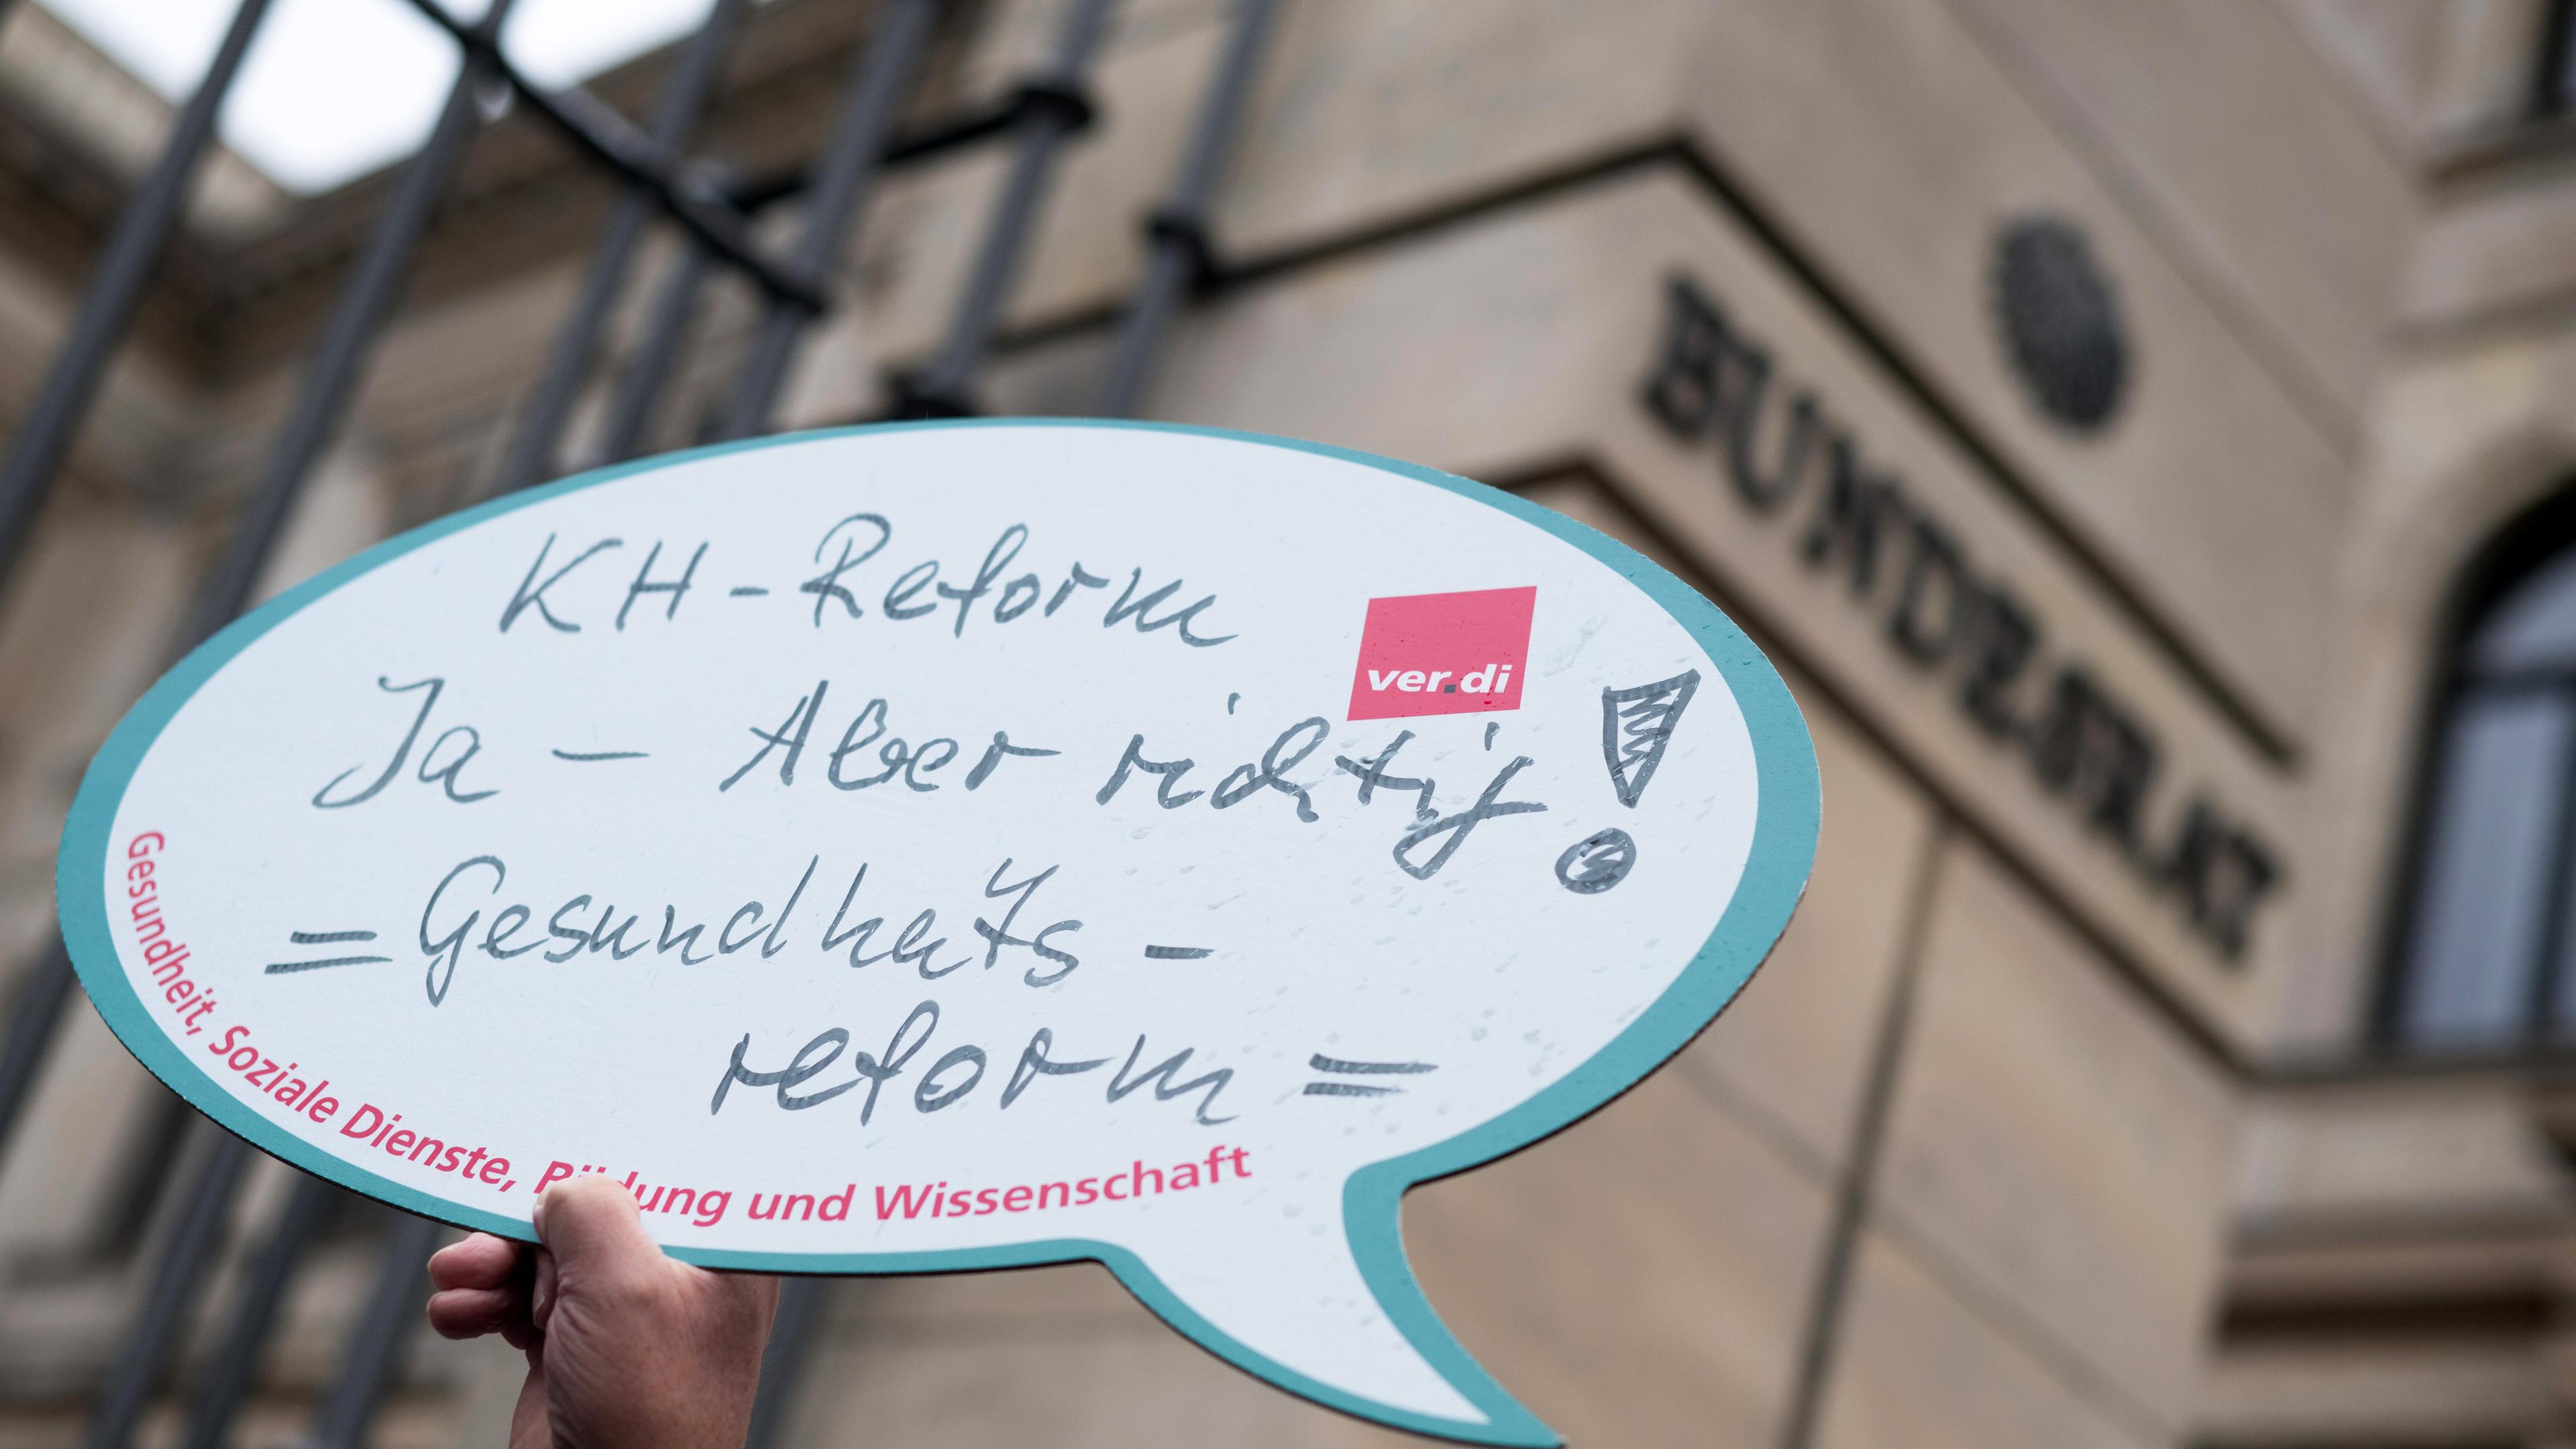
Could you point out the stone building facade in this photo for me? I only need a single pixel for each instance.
(2112, 419)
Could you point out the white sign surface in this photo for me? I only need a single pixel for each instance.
(960, 846)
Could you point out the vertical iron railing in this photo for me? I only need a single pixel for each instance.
(532, 448)
(107, 307)
(793, 1330)
(639, 386)
(44, 438)
(843, 177)
(376, 1342)
(330, 379)
(1178, 229)
(657, 182)
(340, 360)
(1057, 103)
(227, 1381)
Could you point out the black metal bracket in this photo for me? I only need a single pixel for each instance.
(1186, 231)
(1063, 101)
(937, 138)
(916, 400)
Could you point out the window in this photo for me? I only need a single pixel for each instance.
(2485, 946)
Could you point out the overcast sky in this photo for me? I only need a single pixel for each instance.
(333, 89)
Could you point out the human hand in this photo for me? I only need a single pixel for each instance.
(627, 1349)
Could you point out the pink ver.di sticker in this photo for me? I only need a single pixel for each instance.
(1459, 653)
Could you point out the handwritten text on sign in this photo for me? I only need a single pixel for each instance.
(959, 846)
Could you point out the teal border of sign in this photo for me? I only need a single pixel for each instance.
(1787, 811)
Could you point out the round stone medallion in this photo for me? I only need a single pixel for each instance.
(2060, 322)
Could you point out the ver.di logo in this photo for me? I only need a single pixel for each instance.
(1443, 653)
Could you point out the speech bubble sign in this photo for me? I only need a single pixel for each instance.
(960, 846)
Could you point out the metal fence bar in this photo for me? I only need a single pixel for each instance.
(375, 1350)
(333, 375)
(34, 1012)
(228, 1378)
(531, 453)
(1051, 109)
(109, 300)
(944, 388)
(860, 142)
(176, 1277)
(45, 436)
(630, 407)
(792, 1330)
(339, 364)
(844, 175)
(1178, 228)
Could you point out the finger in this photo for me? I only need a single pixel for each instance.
(541, 1291)
(479, 1260)
(592, 1228)
(474, 1312)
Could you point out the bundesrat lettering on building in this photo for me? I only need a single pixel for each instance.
(2084, 746)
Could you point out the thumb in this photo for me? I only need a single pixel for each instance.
(590, 1226)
